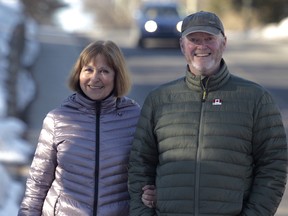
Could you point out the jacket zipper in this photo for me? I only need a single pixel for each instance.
(199, 147)
(205, 89)
(97, 147)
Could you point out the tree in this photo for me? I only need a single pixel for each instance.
(42, 11)
(266, 11)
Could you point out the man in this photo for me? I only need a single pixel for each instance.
(211, 142)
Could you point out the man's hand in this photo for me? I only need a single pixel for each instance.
(149, 196)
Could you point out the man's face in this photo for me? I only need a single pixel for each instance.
(203, 52)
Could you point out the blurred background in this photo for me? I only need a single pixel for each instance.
(40, 41)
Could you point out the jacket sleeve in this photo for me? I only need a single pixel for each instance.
(143, 161)
(270, 160)
(41, 172)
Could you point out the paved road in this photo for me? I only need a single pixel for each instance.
(263, 62)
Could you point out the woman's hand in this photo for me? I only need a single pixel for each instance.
(149, 196)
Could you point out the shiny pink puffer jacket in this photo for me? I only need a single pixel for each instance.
(80, 164)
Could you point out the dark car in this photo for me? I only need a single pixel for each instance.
(158, 21)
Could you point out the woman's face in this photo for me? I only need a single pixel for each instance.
(97, 78)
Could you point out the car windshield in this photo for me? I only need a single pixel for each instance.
(154, 12)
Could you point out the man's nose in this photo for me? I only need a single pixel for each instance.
(201, 42)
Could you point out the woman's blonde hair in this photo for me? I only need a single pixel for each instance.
(115, 60)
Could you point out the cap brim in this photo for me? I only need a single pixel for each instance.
(206, 29)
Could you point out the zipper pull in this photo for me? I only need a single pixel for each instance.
(204, 96)
(204, 84)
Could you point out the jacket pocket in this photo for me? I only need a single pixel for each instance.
(65, 205)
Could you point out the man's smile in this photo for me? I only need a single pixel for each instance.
(202, 54)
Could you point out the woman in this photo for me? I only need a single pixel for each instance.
(80, 164)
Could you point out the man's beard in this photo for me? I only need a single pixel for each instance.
(206, 69)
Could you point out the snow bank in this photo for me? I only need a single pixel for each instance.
(13, 148)
(10, 191)
(15, 62)
(276, 31)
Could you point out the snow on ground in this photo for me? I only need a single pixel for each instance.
(73, 18)
(13, 148)
(272, 31)
(276, 31)
(10, 191)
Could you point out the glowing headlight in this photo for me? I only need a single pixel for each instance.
(150, 26)
(178, 26)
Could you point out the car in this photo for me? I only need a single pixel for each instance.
(158, 21)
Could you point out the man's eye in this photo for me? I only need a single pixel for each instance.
(194, 40)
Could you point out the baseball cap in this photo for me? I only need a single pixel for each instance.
(202, 21)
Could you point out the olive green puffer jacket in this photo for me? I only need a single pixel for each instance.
(218, 150)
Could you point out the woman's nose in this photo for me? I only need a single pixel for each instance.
(95, 75)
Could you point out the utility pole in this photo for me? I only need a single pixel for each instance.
(247, 10)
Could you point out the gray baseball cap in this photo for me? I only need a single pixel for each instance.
(202, 22)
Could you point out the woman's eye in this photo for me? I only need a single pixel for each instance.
(88, 70)
(104, 71)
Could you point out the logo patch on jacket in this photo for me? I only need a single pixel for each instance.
(217, 102)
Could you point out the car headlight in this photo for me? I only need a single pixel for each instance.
(178, 26)
(150, 26)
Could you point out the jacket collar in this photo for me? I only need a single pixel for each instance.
(111, 103)
(79, 101)
(212, 82)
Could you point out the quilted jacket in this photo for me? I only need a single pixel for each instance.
(212, 149)
(81, 161)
